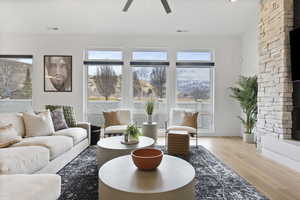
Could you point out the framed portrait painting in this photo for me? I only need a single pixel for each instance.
(57, 73)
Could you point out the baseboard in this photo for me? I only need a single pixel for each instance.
(58, 163)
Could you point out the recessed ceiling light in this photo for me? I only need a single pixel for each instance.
(53, 28)
(232, 1)
(182, 31)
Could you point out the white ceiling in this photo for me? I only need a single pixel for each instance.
(200, 17)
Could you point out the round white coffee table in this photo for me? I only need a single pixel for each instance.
(150, 130)
(172, 180)
(111, 147)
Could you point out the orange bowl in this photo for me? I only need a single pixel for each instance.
(147, 158)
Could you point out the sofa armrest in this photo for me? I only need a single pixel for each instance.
(87, 127)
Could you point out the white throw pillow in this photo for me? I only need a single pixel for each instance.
(38, 125)
(8, 136)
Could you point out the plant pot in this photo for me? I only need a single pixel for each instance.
(149, 119)
(248, 138)
(128, 140)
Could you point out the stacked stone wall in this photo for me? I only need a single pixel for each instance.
(275, 103)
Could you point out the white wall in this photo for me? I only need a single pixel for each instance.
(250, 59)
(228, 66)
(250, 51)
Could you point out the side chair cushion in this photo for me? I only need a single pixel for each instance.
(115, 129)
(111, 119)
(190, 119)
(182, 128)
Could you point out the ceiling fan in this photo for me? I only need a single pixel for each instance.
(164, 3)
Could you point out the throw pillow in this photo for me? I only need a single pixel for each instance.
(69, 114)
(8, 136)
(38, 125)
(58, 119)
(111, 119)
(190, 119)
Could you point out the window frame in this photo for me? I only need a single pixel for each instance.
(113, 62)
(149, 63)
(127, 97)
(199, 64)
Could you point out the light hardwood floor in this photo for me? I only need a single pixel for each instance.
(275, 181)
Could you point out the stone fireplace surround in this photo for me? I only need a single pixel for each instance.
(275, 88)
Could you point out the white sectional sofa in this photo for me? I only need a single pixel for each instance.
(27, 168)
(41, 154)
(30, 187)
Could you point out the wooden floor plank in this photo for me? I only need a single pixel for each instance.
(275, 181)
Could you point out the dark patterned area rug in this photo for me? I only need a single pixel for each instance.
(214, 180)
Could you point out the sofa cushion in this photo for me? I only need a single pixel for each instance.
(38, 125)
(23, 160)
(58, 119)
(69, 113)
(56, 144)
(77, 134)
(16, 119)
(8, 136)
(182, 128)
(30, 187)
(115, 129)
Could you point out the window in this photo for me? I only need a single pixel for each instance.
(104, 55)
(193, 84)
(194, 56)
(104, 77)
(104, 82)
(149, 82)
(149, 55)
(194, 81)
(15, 77)
(149, 77)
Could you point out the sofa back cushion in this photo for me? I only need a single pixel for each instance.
(69, 113)
(58, 119)
(38, 125)
(8, 136)
(15, 119)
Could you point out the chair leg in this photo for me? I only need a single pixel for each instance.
(166, 137)
(197, 138)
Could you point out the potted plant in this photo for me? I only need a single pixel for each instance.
(132, 134)
(149, 110)
(246, 94)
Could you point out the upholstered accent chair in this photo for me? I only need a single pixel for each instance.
(175, 123)
(124, 117)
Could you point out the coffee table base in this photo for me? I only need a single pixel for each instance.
(185, 193)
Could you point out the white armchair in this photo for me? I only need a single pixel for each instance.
(175, 123)
(125, 118)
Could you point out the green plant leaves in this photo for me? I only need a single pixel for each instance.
(246, 94)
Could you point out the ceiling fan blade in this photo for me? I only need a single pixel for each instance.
(127, 5)
(166, 6)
